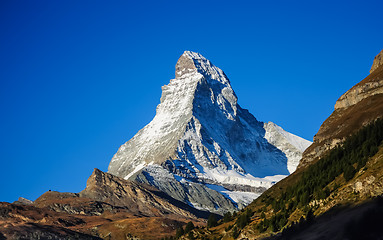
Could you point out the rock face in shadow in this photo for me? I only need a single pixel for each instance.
(360, 105)
(196, 194)
(347, 222)
(200, 135)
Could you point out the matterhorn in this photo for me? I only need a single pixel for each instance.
(202, 148)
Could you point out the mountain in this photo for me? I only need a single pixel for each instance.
(202, 148)
(108, 208)
(336, 191)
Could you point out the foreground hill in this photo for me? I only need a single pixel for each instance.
(108, 208)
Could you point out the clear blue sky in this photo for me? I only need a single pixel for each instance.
(79, 78)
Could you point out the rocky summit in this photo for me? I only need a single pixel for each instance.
(378, 61)
(202, 148)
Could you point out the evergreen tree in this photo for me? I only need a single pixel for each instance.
(212, 221)
(349, 172)
(189, 226)
(191, 236)
(235, 232)
(179, 232)
(227, 217)
(263, 216)
(310, 216)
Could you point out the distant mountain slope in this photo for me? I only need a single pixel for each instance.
(202, 148)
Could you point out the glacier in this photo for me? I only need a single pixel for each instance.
(202, 148)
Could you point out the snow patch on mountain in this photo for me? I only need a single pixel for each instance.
(240, 198)
(292, 145)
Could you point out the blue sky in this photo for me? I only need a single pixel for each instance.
(79, 78)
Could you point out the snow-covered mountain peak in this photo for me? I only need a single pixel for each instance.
(201, 140)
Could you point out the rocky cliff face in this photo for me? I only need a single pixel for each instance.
(108, 193)
(357, 107)
(378, 61)
(138, 198)
(201, 143)
(372, 85)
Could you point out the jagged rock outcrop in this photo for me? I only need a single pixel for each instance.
(378, 61)
(136, 197)
(357, 107)
(201, 140)
(23, 201)
(372, 85)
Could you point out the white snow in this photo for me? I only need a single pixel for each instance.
(290, 144)
(296, 141)
(137, 168)
(240, 198)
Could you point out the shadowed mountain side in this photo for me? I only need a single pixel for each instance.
(345, 222)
